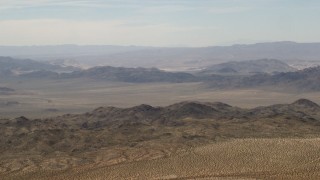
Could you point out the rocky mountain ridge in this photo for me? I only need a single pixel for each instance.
(74, 136)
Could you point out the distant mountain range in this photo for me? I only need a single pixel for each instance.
(307, 79)
(78, 139)
(167, 58)
(26, 68)
(246, 74)
(6, 91)
(269, 66)
(118, 74)
(134, 74)
(302, 80)
(10, 65)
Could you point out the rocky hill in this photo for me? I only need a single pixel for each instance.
(270, 66)
(118, 74)
(14, 66)
(133, 74)
(119, 133)
(302, 80)
(6, 90)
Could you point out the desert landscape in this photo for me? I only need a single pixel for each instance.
(159, 90)
(214, 123)
(227, 121)
(246, 159)
(187, 140)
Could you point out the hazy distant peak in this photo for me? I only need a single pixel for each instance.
(306, 103)
(249, 67)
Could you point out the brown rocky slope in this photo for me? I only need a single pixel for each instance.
(110, 135)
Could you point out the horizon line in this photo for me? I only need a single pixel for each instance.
(169, 46)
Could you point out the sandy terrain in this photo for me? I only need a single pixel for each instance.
(43, 98)
(233, 159)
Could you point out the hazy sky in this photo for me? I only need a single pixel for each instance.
(157, 22)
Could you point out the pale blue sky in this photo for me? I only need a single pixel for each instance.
(157, 22)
